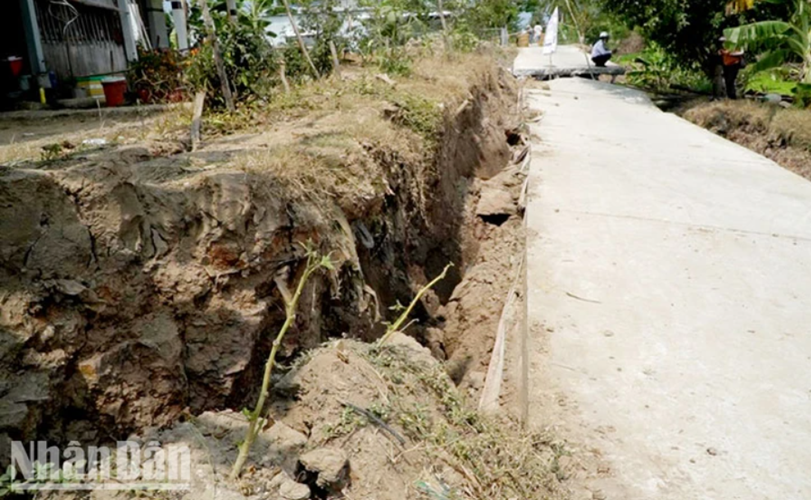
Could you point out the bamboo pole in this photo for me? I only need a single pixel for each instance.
(283, 76)
(211, 32)
(336, 64)
(197, 119)
(301, 45)
(445, 35)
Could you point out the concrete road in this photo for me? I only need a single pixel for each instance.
(669, 288)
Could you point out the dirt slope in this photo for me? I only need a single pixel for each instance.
(782, 135)
(137, 278)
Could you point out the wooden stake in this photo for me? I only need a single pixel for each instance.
(495, 370)
(445, 37)
(336, 65)
(283, 76)
(211, 32)
(197, 119)
(301, 45)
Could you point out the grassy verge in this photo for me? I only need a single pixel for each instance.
(781, 134)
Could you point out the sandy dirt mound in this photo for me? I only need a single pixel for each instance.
(420, 441)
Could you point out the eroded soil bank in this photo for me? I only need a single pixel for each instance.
(780, 134)
(137, 279)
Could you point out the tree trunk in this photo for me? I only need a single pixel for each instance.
(211, 32)
(445, 34)
(301, 45)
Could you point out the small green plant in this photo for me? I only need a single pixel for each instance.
(391, 25)
(395, 327)
(250, 64)
(52, 152)
(322, 19)
(350, 421)
(417, 113)
(8, 482)
(256, 420)
(802, 95)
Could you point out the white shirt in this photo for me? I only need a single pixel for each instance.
(599, 49)
(538, 30)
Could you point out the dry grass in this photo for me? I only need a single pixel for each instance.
(23, 140)
(321, 175)
(450, 451)
(791, 126)
(496, 459)
(314, 142)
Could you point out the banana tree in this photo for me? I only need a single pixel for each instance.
(738, 6)
(785, 41)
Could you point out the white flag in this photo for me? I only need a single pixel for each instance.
(550, 41)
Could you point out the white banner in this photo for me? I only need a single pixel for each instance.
(550, 41)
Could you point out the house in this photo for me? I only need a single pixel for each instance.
(43, 42)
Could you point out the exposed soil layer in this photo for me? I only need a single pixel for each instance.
(420, 442)
(782, 135)
(471, 317)
(137, 278)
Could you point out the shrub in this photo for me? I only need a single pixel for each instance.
(158, 75)
(657, 70)
(250, 63)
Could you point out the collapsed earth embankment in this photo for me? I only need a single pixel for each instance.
(139, 279)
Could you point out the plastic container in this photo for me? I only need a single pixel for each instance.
(91, 85)
(114, 89)
(15, 65)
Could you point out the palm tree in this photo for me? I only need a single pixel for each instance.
(785, 41)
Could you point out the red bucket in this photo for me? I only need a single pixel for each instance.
(15, 64)
(114, 90)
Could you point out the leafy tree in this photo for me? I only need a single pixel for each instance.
(251, 14)
(489, 14)
(781, 41)
(390, 26)
(687, 29)
(323, 22)
(587, 17)
(248, 58)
